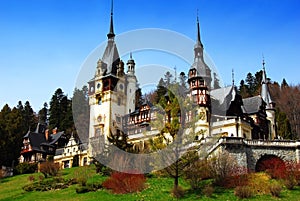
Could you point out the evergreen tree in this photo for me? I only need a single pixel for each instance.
(11, 134)
(28, 117)
(283, 125)
(182, 79)
(60, 112)
(43, 114)
(161, 90)
(168, 77)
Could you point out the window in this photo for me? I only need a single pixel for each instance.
(99, 100)
(119, 101)
(74, 149)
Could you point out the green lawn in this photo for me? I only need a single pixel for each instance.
(158, 189)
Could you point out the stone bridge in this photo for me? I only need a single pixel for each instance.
(249, 152)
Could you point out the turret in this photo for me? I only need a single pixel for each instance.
(270, 105)
(131, 65)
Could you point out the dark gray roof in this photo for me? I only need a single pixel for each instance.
(222, 98)
(111, 58)
(252, 105)
(59, 151)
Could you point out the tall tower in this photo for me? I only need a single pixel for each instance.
(111, 94)
(270, 105)
(131, 85)
(199, 79)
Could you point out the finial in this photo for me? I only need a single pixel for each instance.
(198, 29)
(175, 69)
(263, 62)
(111, 33)
(112, 7)
(131, 55)
(232, 77)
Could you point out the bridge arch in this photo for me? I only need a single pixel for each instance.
(270, 162)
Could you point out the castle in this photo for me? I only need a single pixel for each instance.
(113, 102)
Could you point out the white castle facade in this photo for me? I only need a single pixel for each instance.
(113, 102)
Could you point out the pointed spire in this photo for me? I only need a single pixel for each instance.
(111, 33)
(232, 77)
(198, 32)
(131, 55)
(265, 94)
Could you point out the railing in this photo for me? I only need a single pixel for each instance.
(279, 143)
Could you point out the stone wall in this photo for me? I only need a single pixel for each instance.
(248, 153)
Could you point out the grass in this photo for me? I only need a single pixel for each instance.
(158, 189)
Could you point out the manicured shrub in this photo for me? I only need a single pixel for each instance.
(275, 189)
(243, 192)
(208, 190)
(121, 183)
(49, 168)
(25, 168)
(177, 192)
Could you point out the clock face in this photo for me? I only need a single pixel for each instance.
(121, 86)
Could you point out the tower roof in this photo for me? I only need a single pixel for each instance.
(111, 33)
(265, 94)
(111, 54)
(199, 64)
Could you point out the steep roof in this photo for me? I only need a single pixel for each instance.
(265, 94)
(252, 105)
(222, 98)
(111, 55)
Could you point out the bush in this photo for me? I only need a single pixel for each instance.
(275, 189)
(290, 183)
(49, 168)
(88, 188)
(195, 173)
(82, 174)
(102, 169)
(31, 178)
(259, 182)
(25, 168)
(121, 183)
(222, 167)
(46, 185)
(274, 166)
(177, 192)
(208, 190)
(243, 192)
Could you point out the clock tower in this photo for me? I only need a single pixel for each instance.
(111, 94)
(199, 79)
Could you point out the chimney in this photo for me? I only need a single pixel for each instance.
(54, 131)
(47, 134)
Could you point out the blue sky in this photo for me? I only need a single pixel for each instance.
(43, 43)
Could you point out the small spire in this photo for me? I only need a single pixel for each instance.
(111, 33)
(198, 31)
(131, 55)
(232, 74)
(263, 62)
